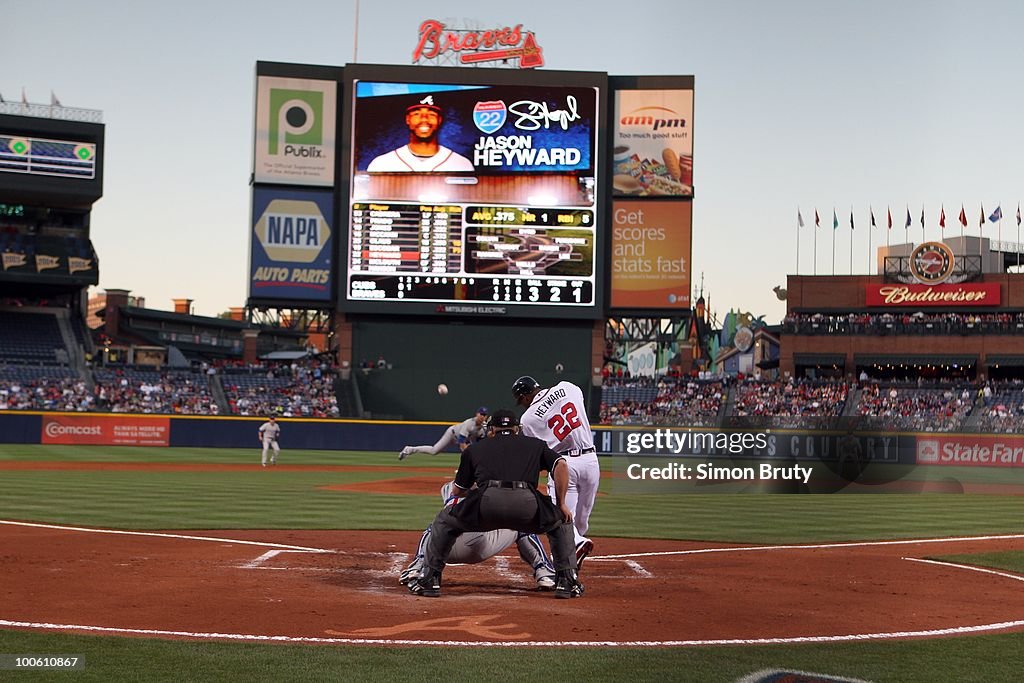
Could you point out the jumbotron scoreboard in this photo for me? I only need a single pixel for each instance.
(509, 226)
(471, 253)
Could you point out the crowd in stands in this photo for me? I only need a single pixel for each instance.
(666, 400)
(305, 388)
(789, 403)
(906, 323)
(1002, 409)
(287, 390)
(45, 393)
(892, 406)
(911, 408)
(149, 391)
(300, 389)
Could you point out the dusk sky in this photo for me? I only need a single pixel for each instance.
(797, 104)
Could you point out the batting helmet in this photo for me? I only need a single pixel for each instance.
(524, 386)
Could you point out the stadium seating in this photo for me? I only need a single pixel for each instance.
(791, 399)
(285, 390)
(903, 407)
(661, 401)
(29, 337)
(1003, 413)
(43, 387)
(138, 390)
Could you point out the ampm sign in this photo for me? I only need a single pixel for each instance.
(291, 245)
(296, 121)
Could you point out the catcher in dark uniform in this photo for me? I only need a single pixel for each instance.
(498, 477)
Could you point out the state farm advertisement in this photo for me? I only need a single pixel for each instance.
(106, 430)
(967, 450)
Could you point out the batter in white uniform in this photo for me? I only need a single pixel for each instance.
(558, 417)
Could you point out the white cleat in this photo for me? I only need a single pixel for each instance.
(583, 548)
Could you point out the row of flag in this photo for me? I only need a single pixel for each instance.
(994, 217)
(54, 102)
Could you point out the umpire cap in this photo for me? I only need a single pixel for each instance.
(524, 386)
(503, 421)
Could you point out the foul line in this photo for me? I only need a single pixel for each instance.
(956, 565)
(154, 534)
(820, 546)
(958, 630)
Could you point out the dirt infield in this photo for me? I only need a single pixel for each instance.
(341, 586)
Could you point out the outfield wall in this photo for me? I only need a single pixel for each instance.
(970, 450)
(211, 432)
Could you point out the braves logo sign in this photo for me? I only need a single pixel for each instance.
(500, 44)
(489, 116)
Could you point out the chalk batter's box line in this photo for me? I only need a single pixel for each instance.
(157, 534)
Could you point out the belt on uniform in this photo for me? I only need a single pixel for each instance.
(497, 483)
(576, 452)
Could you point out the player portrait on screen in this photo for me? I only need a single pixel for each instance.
(424, 152)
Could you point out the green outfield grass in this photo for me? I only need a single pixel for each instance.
(240, 499)
(1011, 560)
(992, 659)
(294, 499)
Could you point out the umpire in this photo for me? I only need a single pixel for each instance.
(505, 468)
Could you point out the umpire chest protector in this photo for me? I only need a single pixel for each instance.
(505, 468)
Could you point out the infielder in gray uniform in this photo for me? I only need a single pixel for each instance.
(269, 431)
(474, 548)
(462, 434)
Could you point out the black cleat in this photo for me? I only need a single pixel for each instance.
(568, 586)
(428, 585)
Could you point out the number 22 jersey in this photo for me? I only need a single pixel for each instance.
(558, 416)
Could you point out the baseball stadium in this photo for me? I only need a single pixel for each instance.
(836, 496)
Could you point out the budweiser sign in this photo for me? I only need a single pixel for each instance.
(474, 47)
(916, 296)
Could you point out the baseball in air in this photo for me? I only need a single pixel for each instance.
(442, 389)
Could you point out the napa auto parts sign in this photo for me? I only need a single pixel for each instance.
(475, 47)
(106, 430)
(970, 450)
